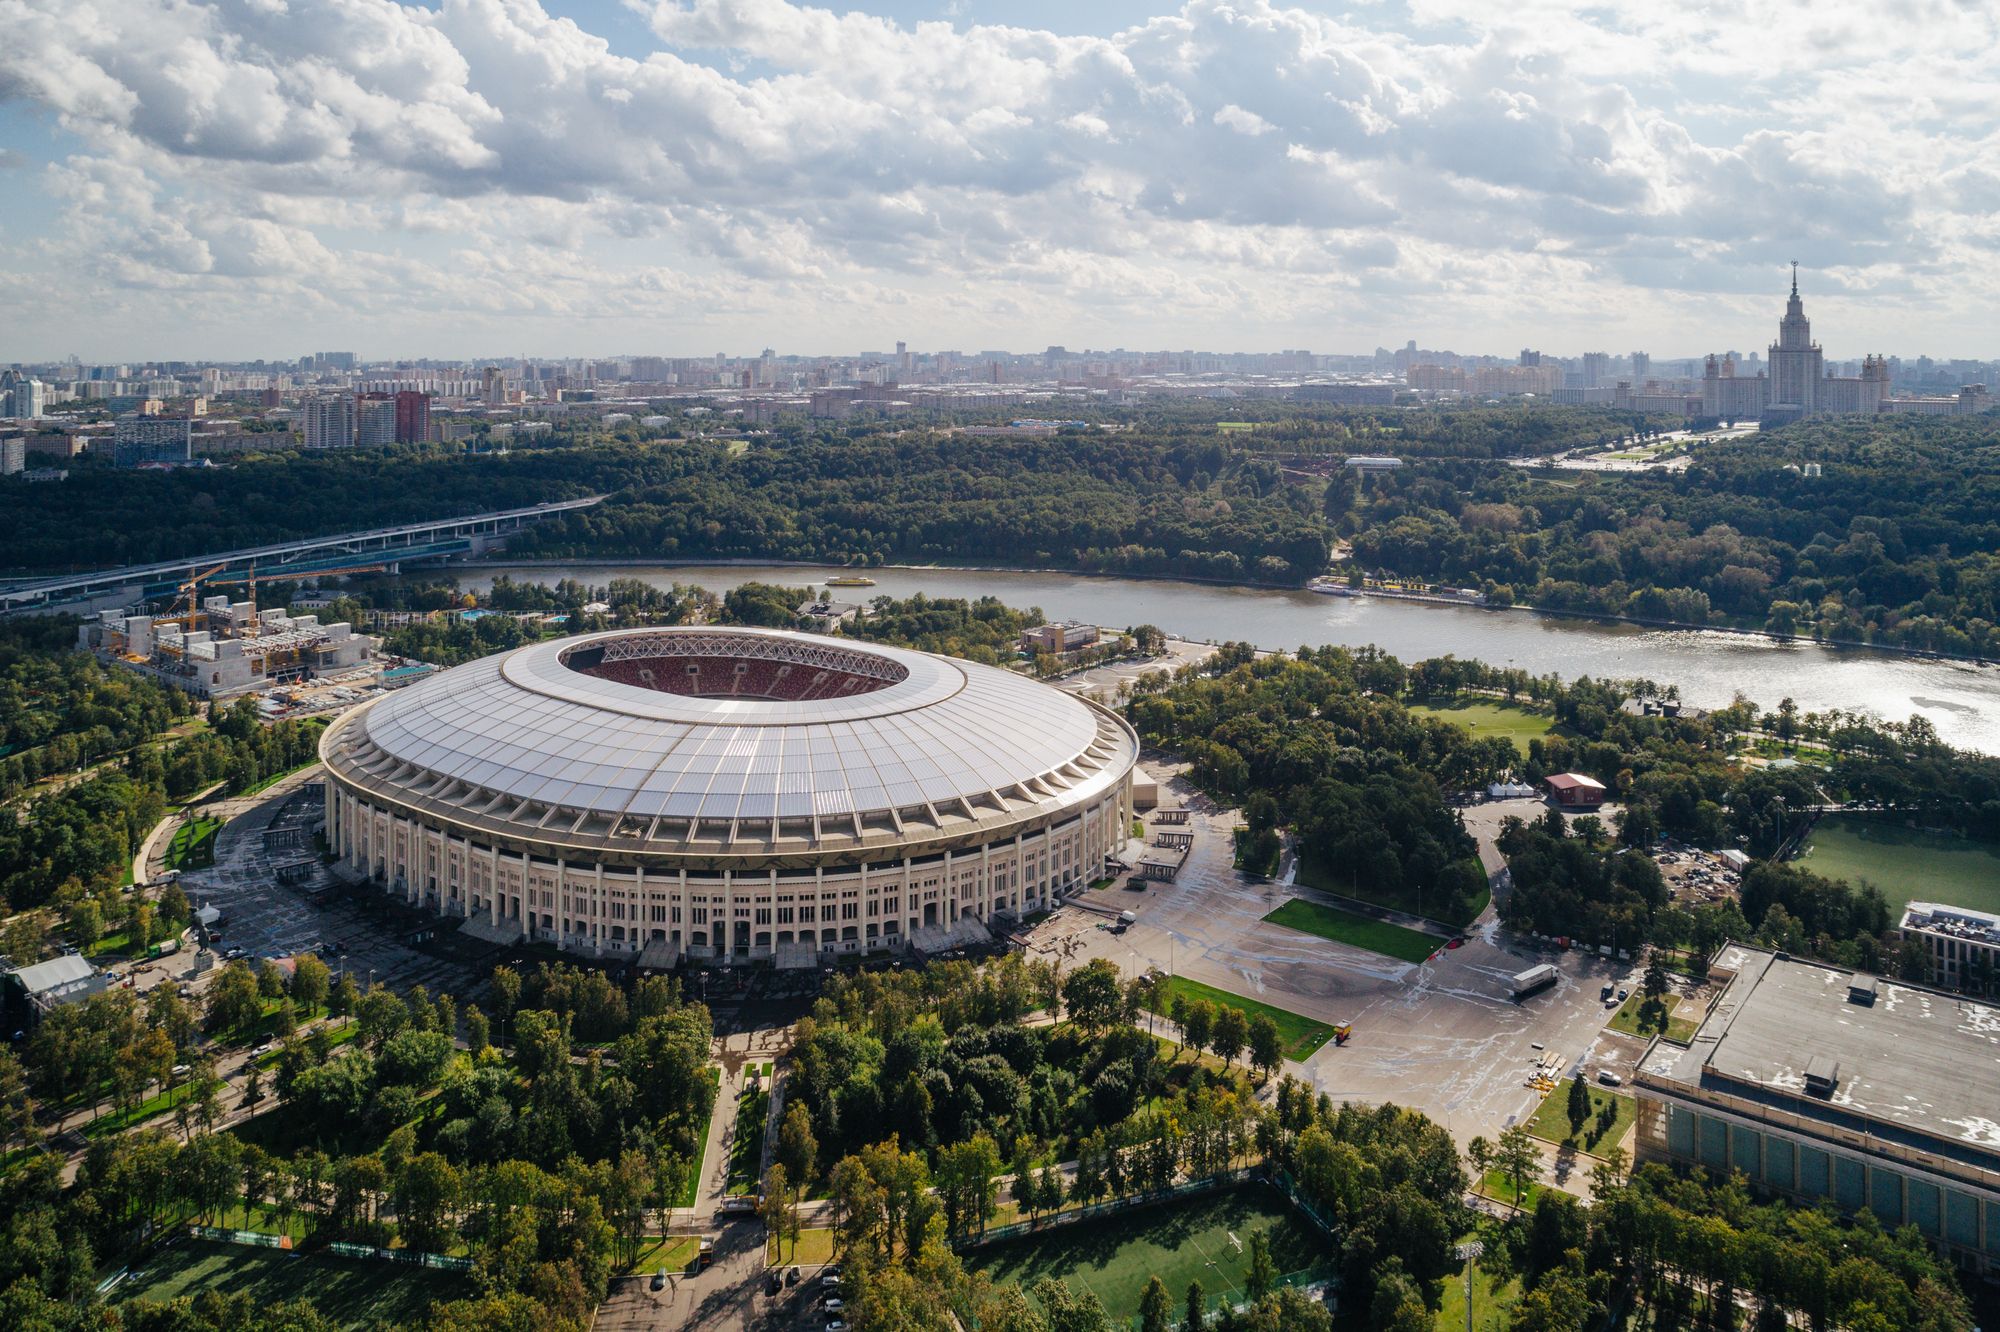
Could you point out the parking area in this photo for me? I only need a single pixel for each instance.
(1444, 1036)
(268, 836)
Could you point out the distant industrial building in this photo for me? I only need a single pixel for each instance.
(226, 648)
(1964, 945)
(1821, 1084)
(148, 440)
(1373, 462)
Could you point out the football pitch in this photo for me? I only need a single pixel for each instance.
(1205, 1239)
(353, 1293)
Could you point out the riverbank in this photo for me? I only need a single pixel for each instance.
(1421, 598)
(1711, 668)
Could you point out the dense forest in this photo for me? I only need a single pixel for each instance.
(1875, 530)
(547, 1141)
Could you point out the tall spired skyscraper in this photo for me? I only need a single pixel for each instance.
(1796, 363)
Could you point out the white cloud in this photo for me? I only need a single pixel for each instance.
(1231, 173)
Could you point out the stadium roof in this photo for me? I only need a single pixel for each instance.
(1909, 1064)
(531, 729)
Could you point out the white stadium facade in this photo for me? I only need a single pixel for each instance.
(727, 795)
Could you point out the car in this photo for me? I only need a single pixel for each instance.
(791, 1276)
(1455, 943)
(1609, 1079)
(660, 1279)
(261, 1050)
(836, 1325)
(179, 1071)
(773, 1283)
(1623, 994)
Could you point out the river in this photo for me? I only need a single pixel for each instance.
(1962, 701)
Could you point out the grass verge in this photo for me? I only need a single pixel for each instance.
(1377, 936)
(1301, 1035)
(193, 844)
(1632, 1019)
(811, 1249)
(1550, 1122)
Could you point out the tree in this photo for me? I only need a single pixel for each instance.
(966, 1184)
(310, 983)
(1479, 1155)
(1093, 995)
(234, 1004)
(478, 1035)
(1196, 1318)
(1518, 1159)
(1198, 1024)
(1156, 1307)
(1578, 1107)
(427, 1192)
(1232, 1032)
(1262, 1277)
(86, 922)
(506, 996)
(1267, 1049)
(1655, 983)
(779, 1206)
(797, 1148)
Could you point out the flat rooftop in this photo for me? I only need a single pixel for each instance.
(1918, 1067)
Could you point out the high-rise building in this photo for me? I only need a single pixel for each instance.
(1596, 369)
(26, 399)
(494, 386)
(328, 419)
(335, 360)
(374, 420)
(413, 416)
(1796, 363)
(1642, 366)
(13, 455)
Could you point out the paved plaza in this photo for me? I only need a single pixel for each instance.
(1444, 1036)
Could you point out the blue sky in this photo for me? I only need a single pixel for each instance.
(251, 177)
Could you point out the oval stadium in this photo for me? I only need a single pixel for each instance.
(727, 795)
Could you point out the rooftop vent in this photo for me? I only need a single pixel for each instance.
(1861, 990)
(1822, 1076)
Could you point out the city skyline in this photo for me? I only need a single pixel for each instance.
(594, 178)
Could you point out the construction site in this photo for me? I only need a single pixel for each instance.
(222, 649)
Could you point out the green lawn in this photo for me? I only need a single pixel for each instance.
(1497, 1187)
(193, 844)
(1551, 1119)
(1906, 863)
(746, 1149)
(1301, 1035)
(1377, 936)
(1486, 716)
(812, 1248)
(1492, 1306)
(352, 1292)
(674, 1253)
(1679, 1029)
(1185, 1241)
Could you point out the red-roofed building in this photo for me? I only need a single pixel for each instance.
(1573, 790)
